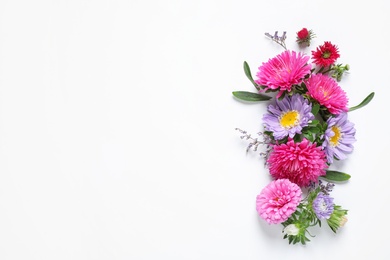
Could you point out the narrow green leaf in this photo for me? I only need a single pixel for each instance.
(336, 176)
(364, 102)
(249, 96)
(248, 74)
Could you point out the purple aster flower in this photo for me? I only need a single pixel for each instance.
(323, 206)
(288, 116)
(339, 137)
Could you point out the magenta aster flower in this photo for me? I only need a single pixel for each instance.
(301, 163)
(328, 93)
(339, 137)
(283, 71)
(278, 201)
(288, 116)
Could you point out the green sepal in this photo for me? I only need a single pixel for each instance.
(250, 96)
(336, 176)
(363, 103)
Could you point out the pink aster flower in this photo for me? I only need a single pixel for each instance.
(278, 201)
(328, 93)
(283, 71)
(301, 163)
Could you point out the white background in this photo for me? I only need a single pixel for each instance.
(117, 123)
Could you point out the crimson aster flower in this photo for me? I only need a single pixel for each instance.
(288, 116)
(328, 93)
(326, 54)
(278, 201)
(283, 71)
(301, 163)
(339, 137)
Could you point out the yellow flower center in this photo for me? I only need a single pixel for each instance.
(334, 140)
(326, 55)
(324, 93)
(289, 119)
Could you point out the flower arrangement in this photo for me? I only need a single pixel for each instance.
(306, 128)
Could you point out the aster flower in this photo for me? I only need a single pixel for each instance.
(301, 163)
(339, 137)
(304, 36)
(288, 116)
(323, 206)
(328, 93)
(278, 200)
(283, 71)
(326, 54)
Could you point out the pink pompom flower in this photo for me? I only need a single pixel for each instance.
(278, 201)
(301, 163)
(328, 93)
(283, 71)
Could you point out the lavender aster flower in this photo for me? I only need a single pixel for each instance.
(339, 137)
(288, 116)
(323, 206)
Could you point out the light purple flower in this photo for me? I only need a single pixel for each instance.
(288, 116)
(339, 137)
(323, 206)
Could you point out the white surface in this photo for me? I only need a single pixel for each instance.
(117, 122)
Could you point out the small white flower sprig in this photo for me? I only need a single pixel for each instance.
(306, 128)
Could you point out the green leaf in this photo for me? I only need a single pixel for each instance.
(314, 130)
(315, 109)
(249, 96)
(364, 102)
(314, 122)
(248, 74)
(309, 137)
(336, 176)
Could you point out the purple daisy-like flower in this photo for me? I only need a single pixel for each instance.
(323, 206)
(288, 116)
(339, 137)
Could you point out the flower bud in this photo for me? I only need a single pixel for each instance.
(343, 220)
(291, 230)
